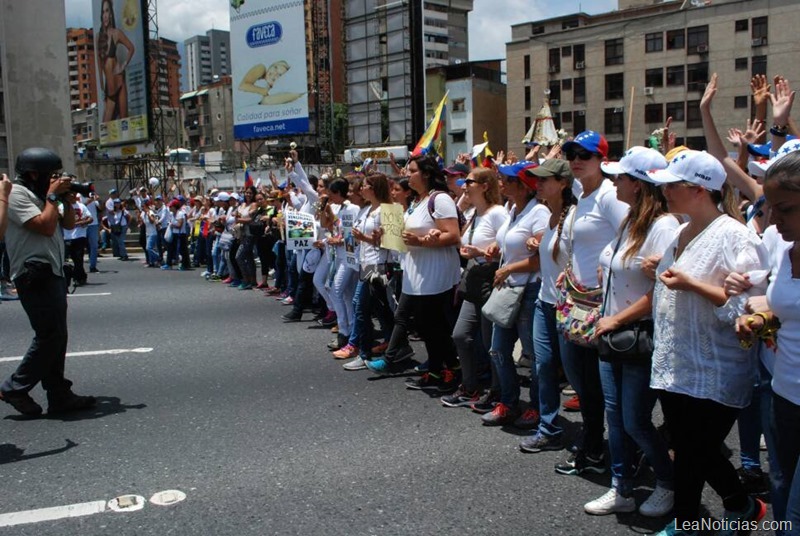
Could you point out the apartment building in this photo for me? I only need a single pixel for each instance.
(82, 68)
(207, 55)
(624, 72)
(167, 71)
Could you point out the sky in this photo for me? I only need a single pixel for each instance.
(489, 23)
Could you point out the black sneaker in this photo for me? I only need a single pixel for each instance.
(486, 402)
(23, 403)
(540, 442)
(754, 480)
(461, 398)
(290, 317)
(403, 354)
(581, 462)
(70, 403)
(426, 382)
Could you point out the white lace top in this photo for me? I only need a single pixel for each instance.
(696, 349)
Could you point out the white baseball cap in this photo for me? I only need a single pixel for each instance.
(759, 167)
(636, 162)
(697, 167)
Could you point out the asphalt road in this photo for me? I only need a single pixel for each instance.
(263, 431)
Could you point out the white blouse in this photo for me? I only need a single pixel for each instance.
(783, 296)
(696, 349)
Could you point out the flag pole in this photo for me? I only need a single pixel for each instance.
(630, 119)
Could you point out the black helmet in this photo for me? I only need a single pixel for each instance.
(38, 159)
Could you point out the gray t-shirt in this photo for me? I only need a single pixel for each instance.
(24, 245)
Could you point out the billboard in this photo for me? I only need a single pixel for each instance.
(120, 34)
(270, 80)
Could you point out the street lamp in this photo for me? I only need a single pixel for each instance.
(222, 139)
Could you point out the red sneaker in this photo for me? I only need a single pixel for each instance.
(573, 404)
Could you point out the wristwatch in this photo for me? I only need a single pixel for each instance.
(53, 198)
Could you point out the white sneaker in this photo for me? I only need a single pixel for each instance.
(610, 503)
(355, 364)
(659, 503)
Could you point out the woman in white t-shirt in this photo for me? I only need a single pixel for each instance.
(782, 190)
(473, 333)
(628, 294)
(702, 375)
(431, 272)
(589, 229)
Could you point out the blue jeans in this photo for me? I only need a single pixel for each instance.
(546, 349)
(152, 250)
(629, 408)
(92, 237)
(582, 370)
(357, 329)
(292, 275)
(118, 243)
(503, 340)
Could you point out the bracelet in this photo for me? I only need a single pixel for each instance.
(775, 131)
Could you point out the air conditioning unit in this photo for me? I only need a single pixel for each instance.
(702, 49)
(553, 69)
(759, 41)
(648, 90)
(580, 113)
(619, 110)
(580, 65)
(554, 102)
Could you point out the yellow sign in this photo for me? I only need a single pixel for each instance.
(129, 150)
(375, 155)
(392, 224)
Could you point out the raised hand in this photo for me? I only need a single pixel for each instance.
(760, 89)
(782, 101)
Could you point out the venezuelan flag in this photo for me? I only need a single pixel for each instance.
(248, 181)
(432, 132)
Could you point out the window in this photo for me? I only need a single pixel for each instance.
(566, 84)
(557, 120)
(579, 122)
(741, 102)
(697, 143)
(654, 77)
(741, 64)
(758, 65)
(654, 42)
(615, 52)
(555, 91)
(741, 25)
(760, 29)
(676, 111)
(654, 113)
(613, 121)
(537, 30)
(615, 86)
(566, 52)
(459, 136)
(527, 97)
(696, 76)
(676, 39)
(566, 117)
(616, 149)
(695, 37)
(579, 54)
(459, 105)
(570, 23)
(554, 61)
(579, 90)
(693, 119)
(675, 75)
(527, 124)
(526, 66)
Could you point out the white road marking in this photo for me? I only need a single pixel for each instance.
(53, 513)
(91, 353)
(90, 294)
(168, 497)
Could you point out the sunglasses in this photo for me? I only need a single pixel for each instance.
(583, 155)
(510, 179)
(471, 181)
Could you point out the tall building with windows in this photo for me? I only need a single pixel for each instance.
(206, 56)
(388, 46)
(166, 92)
(82, 68)
(624, 72)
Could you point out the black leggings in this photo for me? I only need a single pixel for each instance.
(264, 246)
(698, 428)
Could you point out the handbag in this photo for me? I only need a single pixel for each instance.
(502, 307)
(168, 234)
(578, 308)
(631, 343)
(476, 278)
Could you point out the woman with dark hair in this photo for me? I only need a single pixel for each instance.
(112, 70)
(264, 236)
(473, 333)
(702, 375)
(245, 259)
(402, 192)
(430, 273)
(647, 230)
(593, 224)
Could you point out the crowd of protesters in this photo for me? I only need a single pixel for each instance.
(656, 245)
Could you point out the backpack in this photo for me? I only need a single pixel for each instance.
(462, 221)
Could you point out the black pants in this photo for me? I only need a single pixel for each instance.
(698, 428)
(45, 302)
(434, 316)
(304, 294)
(233, 266)
(76, 251)
(264, 246)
